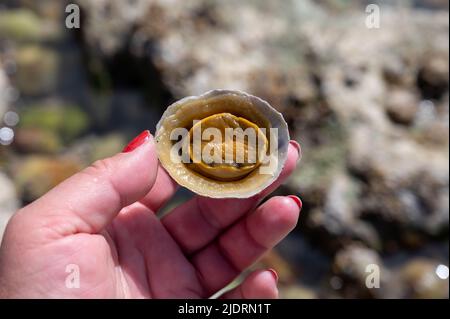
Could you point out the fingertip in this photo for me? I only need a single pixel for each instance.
(273, 220)
(294, 156)
(274, 274)
(286, 211)
(137, 168)
(297, 201)
(137, 141)
(260, 284)
(298, 148)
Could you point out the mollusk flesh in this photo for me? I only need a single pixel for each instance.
(222, 144)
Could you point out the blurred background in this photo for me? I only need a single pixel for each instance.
(370, 107)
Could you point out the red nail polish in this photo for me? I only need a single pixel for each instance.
(137, 141)
(274, 274)
(297, 201)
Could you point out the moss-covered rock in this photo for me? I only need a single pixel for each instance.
(37, 140)
(107, 146)
(24, 25)
(20, 25)
(37, 70)
(64, 121)
(320, 163)
(36, 175)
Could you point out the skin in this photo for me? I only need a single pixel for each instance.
(103, 220)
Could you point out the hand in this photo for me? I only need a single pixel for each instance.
(102, 222)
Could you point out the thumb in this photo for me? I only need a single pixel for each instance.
(89, 200)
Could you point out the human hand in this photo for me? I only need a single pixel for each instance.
(102, 220)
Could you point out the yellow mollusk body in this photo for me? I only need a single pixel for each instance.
(247, 140)
(236, 143)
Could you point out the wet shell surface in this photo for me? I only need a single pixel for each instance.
(220, 110)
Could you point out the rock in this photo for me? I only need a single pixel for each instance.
(433, 4)
(431, 122)
(357, 271)
(326, 142)
(338, 221)
(179, 39)
(396, 196)
(422, 280)
(47, 126)
(36, 140)
(48, 10)
(8, 201)
(433, 77)
(397, 71)
(91, 148)
(107, 146)
(61, 120)
(402, 106)
(35, 175)
(297, 292)
(273, 259)
(24, 25)
(37, 70)
(436, 133)
(108, 23)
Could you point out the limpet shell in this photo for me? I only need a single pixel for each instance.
(226, 108)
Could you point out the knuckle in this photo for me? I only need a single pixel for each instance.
(17, 224)
(99, 168)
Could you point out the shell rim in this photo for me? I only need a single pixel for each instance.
(282, 157)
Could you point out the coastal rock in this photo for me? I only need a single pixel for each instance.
(338, 222)
(359, 272)
(37, 70)
(297, 292)
(35, 175)
(402, 106)
(422, 279)
(273, 259)
(55, 122)
(24, 25)
(110, 22)
(93, 147)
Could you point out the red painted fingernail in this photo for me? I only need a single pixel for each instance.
(297, 201)
(298, 148)
(274, 274)
(137, 141)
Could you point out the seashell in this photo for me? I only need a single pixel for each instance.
(232, 166)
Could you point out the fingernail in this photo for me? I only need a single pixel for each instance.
(137, 141)
(274, 274)
(297, 201)
(298, 148)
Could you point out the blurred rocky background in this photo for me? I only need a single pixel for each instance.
(370, 107)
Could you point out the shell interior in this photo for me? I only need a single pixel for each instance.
(239, 107)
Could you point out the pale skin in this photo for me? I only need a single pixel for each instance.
(103, 220)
